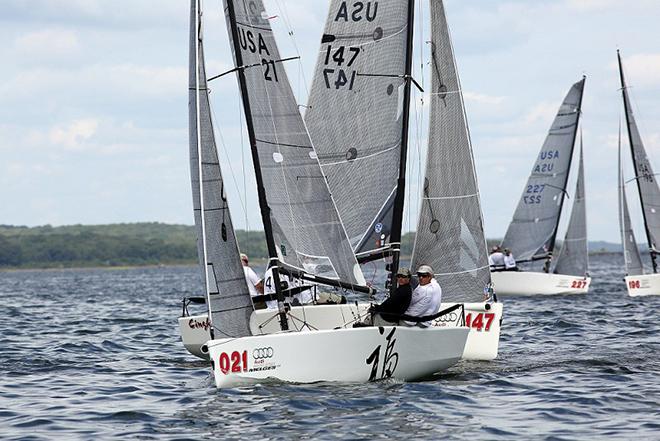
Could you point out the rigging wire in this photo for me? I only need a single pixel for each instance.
(217, 130)
(291, 33)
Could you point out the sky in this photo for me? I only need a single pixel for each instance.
(94, 104)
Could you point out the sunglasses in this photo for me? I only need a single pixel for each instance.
(423, 275)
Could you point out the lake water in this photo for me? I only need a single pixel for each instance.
(96, 354)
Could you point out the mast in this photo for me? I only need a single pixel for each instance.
(546, 266)
(263, 202)
(198, 128)
(397, 218)
(652, 251)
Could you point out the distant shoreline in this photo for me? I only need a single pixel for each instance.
(140, 245)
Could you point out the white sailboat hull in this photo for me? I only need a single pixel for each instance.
(643, 285)
(341, 355)
(483, 319)
(532, 283)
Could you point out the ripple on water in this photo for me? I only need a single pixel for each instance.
(83, 357)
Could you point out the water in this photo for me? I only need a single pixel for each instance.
(96, 354)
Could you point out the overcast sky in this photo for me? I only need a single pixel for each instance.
(93, 101)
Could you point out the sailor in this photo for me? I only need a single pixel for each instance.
(509, 261)
(496, 259)
(286, 282)
(254, 283)
(426, 298)
(388, 312)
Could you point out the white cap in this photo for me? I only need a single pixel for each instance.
(425, 269)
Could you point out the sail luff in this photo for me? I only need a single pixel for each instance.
(228, 298)
(647, 186)
(573, 257)
(533, 229)
(450, 234)
(631, 255)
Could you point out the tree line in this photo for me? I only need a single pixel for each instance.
(116, 245)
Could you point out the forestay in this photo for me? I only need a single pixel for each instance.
(532, 231)
(573, 257)
(355, 113)
(631, 256)
(647, 183)
(305, 225)
(450, 235)
(229, 301)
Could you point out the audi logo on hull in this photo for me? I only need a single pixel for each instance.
(261, 353)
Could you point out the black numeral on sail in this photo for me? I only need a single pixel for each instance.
(340, 56)
(270, 73)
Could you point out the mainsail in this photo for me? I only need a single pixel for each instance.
(532, 232)
(573, 257)
(228, 298)
(631, 255)
(647, 184)
(300, 217)
(357, 112)
(450, 235)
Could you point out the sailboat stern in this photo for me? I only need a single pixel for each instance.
(643, 285)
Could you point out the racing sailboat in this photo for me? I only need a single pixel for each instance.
(282, 150)
(638, 283)
(533, 230)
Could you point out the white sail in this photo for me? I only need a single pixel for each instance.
(573, 258)
(355, 113)
(300, 212)
(647, 183)
(450, 235)
(228, 298)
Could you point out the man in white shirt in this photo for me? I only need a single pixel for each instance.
(254, 283)
(496, 259)
(509, 261)
(426, 298)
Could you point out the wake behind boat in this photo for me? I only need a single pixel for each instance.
(532, 232)
(638, 282)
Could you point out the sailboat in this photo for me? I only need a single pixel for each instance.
(533, 230)
(360, 132)
(637, 282)
(302, 232)
(362, 149)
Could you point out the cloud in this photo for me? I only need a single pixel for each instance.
(542, 112)
(74, 135)
(49, 43)
(641, 69)
(481, 98)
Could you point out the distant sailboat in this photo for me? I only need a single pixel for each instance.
(532, 232)
(637, 282)
(279, 141)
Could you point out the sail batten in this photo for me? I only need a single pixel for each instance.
(533, 229)
(573, 256)
(450, 234)
(300, 216)
(228, 297)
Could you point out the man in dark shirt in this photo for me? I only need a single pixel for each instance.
(388, 312)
